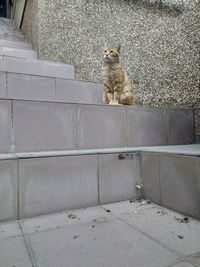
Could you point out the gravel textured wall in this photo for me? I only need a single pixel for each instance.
(160, 47)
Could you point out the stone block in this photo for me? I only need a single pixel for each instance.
(118, 178)
(146, 127)
(8, 190)
(21, 65)
(2, 84)
(21, 86)
(59, 70)
(41, 126)
(180, 183)
(72, 91)
(1, 63)
(150, 177)
(50, 185)
(101, 127)
(181, 126)
(5, 126)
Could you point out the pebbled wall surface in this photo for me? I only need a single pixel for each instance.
(160, 44)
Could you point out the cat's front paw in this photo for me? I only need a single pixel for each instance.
(114, 103)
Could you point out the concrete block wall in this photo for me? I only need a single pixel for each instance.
(38, 186)
(172, 181)
(42, 185)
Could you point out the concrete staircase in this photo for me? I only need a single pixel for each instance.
(61, 148)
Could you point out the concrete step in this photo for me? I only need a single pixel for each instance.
(9, 31)
(45, 126)
(36, 67)
(16, 52)
(33, 184)
(15, 44)
(41, 88)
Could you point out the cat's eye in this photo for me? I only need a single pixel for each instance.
(105, 51)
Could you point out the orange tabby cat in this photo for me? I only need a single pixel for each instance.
(117, 86)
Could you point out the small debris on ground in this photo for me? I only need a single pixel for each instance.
(183, 220)
(180, 236)
(145, 201)
(93, 226)
(139, 211)
(108, 210)
(36, 227)
(72, 216)
(131, 201)
(75, 237)
(162, 212)
(148, 201)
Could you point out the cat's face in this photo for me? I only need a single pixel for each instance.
(111, 53)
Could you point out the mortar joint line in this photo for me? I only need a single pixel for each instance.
(27, 246)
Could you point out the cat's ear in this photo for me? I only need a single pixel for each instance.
(118, 48)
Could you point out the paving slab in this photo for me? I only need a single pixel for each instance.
(109, 243)
(113, 235)
(71, 217)
(9, 230)
(161, 224)
(13, 251)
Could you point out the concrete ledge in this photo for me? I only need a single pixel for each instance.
(187, 150)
